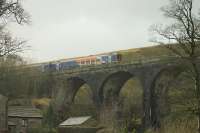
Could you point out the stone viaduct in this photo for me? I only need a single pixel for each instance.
(115, 76)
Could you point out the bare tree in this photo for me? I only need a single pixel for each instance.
(11, 11)
(10, 46)
(182, 37)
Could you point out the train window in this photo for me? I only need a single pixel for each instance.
(82, 62)
(92, 61)
(87, 61)
(119, 56)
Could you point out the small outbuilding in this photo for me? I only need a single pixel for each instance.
(83, 124)
(21, 118)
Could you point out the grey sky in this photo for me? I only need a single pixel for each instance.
(69, 28)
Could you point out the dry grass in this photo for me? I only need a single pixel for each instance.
(178, 126)
(143, 53)
(43, 102)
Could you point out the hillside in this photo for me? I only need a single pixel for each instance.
(145, 53)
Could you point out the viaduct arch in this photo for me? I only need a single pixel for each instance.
(112, 77)
(159, 91)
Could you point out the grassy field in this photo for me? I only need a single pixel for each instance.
(145, 53)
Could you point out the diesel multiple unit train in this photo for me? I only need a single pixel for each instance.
(82, 61)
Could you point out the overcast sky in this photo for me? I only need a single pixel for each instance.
(70, 28)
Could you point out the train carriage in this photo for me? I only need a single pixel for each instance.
(50, 67)
(83, 61)
(88, 60)
(68, 65)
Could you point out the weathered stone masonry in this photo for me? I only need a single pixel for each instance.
(68, 82)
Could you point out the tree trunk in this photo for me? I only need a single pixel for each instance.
(197, 86)
(6, 116)
(198, 102)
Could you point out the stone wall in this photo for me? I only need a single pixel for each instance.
(78, 130)
(30, 123)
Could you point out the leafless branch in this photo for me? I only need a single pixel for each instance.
(185, 32)
(9, 46)
(13, 10)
